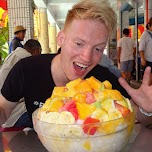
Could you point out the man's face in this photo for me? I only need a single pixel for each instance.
(82, 44)
(22, 35)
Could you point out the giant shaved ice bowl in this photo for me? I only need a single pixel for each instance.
(84, 116)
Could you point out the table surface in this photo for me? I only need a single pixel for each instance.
(21, 141)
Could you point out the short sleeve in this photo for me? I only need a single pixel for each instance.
(142, 42)
(12, 89)
(119, 43)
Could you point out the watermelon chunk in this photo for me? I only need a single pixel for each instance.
(90, 129)
(71, 107)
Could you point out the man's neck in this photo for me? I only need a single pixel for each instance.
(58, 74)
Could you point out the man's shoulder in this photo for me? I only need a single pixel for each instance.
(100, 72)
(120, 41)
(125, 38)
(42, 59)
(21, 52)
(17, 54)
(144, 34)
(14, 41)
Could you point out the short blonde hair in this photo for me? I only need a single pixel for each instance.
(93, 10)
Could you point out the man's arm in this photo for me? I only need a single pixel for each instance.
(143, 61)
(134, 51)
(107, 62)
(119, 52)
(145, 120)
(6, 108)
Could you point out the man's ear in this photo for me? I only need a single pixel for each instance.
(60, 38)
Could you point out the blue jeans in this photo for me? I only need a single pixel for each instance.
(23, 121)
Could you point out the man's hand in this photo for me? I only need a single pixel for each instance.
(142, 96)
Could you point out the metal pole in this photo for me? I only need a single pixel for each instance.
(136, 28)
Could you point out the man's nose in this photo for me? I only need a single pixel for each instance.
(86, 55)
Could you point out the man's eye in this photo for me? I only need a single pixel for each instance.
(99, 50)
(78, 43)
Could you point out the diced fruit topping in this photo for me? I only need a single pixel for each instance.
(86, 102)
(56, 105)
(71, 107)
(97, 104)
(114, 114)
(114, 94)
(80, 97)
(107, 84)
(50, 117)
(91, 128)
(47, 104)
(90, 98)
(128, 104)
(84, 86)
(94, 83)
(123, 103)
(107, 104)
(57, 91)
(73, 83)
(124, 111)
(100, 114)
(84, 110)
(66, 117)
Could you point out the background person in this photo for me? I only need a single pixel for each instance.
(31, 47)
(126, 48)
(19, 32)
(145, 48)
(107, 62)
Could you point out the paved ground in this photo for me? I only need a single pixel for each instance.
(135, 84)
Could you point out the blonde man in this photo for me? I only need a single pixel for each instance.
(87, 29)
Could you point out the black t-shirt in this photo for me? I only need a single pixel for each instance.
(31, 78)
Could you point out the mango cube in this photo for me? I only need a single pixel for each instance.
(73, 83)
(94, 83)
(83, 87)
(107, 84)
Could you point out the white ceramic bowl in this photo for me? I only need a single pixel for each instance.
(111, 136)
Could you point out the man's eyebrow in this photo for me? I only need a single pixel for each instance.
(77, 38)
(102, 43)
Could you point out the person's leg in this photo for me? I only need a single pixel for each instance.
(129, 69)
(123, 69)
(133, 72)
(23, 121)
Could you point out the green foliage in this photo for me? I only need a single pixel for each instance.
(3, 43)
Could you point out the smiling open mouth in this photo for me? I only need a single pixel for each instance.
(80, 68)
